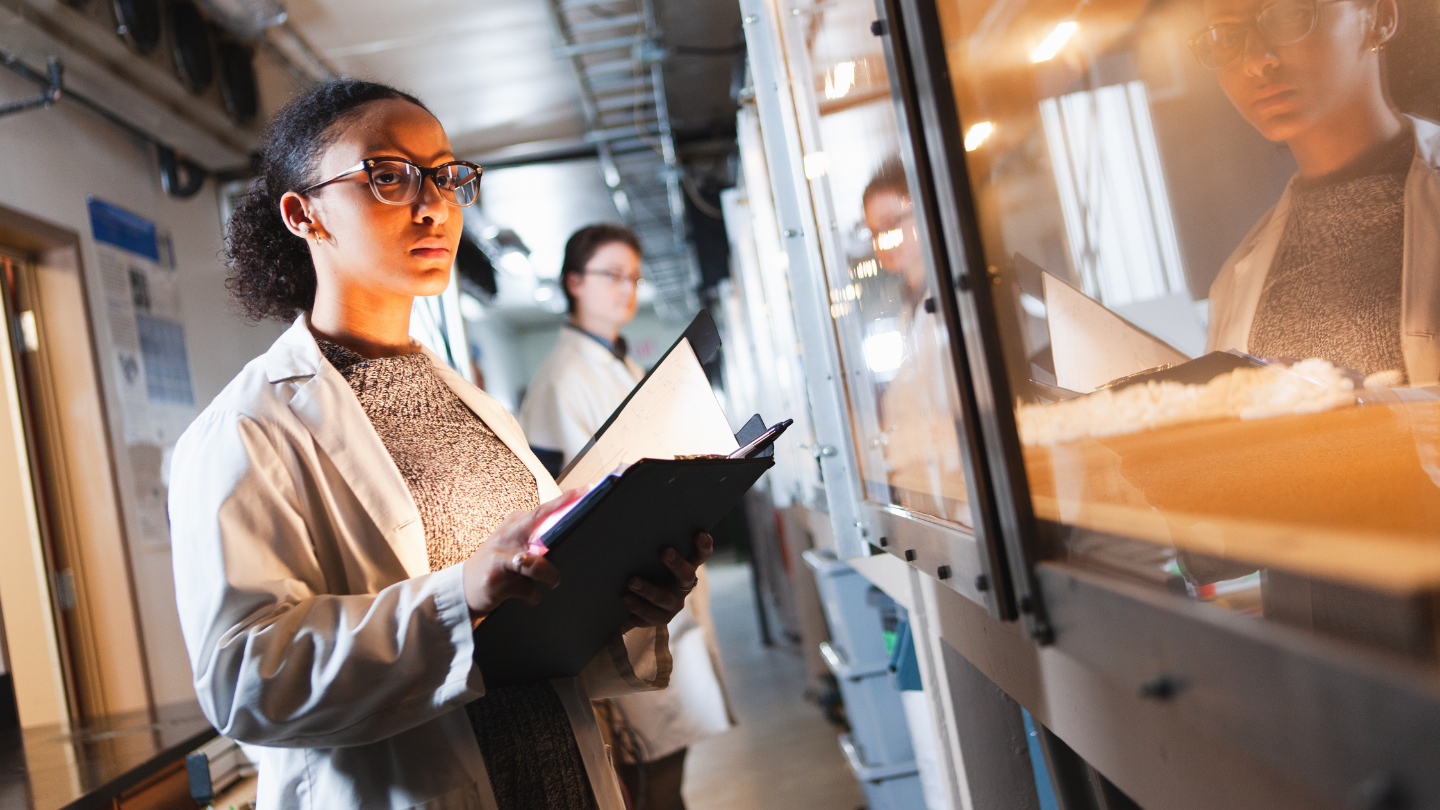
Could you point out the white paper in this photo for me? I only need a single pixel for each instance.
(1092, 345)
(673, 413)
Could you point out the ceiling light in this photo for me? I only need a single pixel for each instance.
(815, 166)
(889, 240)
(1054, 42)
(471, 308)
(544, 293)
(977, 135)
(515, 262)
(839, 81)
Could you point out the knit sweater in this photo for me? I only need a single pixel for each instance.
(1334, 289)
(465, 480)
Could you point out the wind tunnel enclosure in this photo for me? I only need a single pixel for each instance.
(1165, 539)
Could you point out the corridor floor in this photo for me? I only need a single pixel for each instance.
(782, 754)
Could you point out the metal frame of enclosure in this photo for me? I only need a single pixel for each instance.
(1173, 703)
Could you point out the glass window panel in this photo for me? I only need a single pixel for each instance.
(1213, 228)
(893, 341)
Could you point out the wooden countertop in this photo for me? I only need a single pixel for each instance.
(1350, 495)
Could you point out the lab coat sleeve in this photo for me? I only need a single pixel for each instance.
(277, 660)
(638, 661)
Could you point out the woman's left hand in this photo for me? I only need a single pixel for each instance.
(654, 606)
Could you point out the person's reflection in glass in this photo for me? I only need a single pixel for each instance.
(1344, 267)
(916, 408)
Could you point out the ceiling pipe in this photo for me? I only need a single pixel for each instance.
(51, 94)
(180, 177)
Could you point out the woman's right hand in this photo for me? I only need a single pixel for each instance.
(503, 567)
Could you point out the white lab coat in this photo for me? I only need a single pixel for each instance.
(576, 388)
(314, 625)
(1235, 295)
(573, 392)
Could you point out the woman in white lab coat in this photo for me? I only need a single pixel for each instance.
(348, 508)
(582, 381)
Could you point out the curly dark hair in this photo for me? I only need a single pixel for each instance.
(581, 247)
(272, 274)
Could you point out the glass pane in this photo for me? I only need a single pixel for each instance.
(1213, 230)
(893, 341)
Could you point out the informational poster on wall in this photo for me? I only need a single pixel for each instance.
(147, 348)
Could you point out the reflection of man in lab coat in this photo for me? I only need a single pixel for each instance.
(574, 391)
(918, 406)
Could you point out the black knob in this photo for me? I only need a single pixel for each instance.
(884, 541)
(879, 28)
(982, 583)
(943, 572)
(909, 555)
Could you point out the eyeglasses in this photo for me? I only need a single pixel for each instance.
(1284, 23)
(397, 181)
(617, 278)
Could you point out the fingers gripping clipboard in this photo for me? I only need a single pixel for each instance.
(656, 504)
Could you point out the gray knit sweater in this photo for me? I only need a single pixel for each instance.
(465, 480)
(1334, 288)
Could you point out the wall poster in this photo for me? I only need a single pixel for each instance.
(147, 340)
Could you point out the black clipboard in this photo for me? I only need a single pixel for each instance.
(656, 504)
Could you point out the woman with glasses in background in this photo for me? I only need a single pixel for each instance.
(1346, 266)
(348, 509)
(580, 383)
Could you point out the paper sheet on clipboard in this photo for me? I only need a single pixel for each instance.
(1092, 345)
(672, 412)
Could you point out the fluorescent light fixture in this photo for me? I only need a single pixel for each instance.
(977, 135)
(839, 81)
(1033, 306)
(544, 293)
(889, 240)
(515, 262)
(815, 165)
(471, 308)
(884, 351)
(1054, 42)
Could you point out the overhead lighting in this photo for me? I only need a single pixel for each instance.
(977, 135)
(889, 240)
(884, 352)
(544, 293)
(515, 262)
(471, 308)
(839, 81)
(1054, 42)
(815, 166)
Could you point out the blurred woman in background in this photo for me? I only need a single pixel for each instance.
(582, 381)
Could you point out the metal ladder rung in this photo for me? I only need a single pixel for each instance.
(641, 100)
(599, 45)
(572, 5)
(607, 23)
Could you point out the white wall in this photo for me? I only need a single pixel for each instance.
(53, 160)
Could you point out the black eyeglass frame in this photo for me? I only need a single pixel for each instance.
(1253, 25)
(368, 164)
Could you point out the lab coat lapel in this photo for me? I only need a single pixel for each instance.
(1420, 296)
(332, 414)
(1250, 273)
